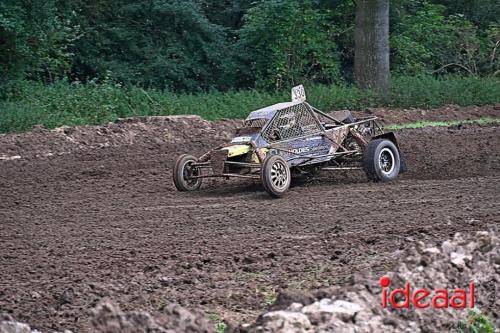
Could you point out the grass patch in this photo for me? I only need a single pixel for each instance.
(220, 326)
(270, 295)
(427, 91)
(253, 276)
(423, 124)
(24, 104)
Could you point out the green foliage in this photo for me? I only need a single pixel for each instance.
(476, 322)
(227, 13)
(428, 41)
(481, 12)
(492, 42)
(220, 326)
(35, 40)
(196, 46)
(24, 104)
(160, 43)
(287, 42)
(270, 297)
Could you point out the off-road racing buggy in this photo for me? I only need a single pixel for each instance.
(291, 139)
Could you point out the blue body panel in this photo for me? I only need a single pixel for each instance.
(311, 146)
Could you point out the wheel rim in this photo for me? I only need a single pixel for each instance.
(279, 175)
(188, 172)
(386, 161)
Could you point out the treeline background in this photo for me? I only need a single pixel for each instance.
(71, 52)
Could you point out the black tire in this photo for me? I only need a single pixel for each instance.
(275, 175)
(182, 172)
(381, 160)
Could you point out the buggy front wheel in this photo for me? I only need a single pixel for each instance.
(185, 174)
(381, 160)
(275, 175)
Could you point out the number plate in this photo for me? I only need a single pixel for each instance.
(298, 94)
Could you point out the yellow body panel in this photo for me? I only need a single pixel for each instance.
(237, 150)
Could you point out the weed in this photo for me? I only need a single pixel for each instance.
(220, 326)
(476, 322)
(269, 295)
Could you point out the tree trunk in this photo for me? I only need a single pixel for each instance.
(371, 52)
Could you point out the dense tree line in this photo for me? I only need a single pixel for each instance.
(196, 45)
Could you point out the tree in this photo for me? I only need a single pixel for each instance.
(35, 37)
(163, 44)
(285, 43)
(371, 39)
(427, 41)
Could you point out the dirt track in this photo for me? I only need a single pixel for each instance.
(91, 212)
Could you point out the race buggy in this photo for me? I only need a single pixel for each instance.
(294, 139)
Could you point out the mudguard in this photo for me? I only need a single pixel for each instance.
(392, 137)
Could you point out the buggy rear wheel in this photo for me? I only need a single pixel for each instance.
(275, 175)
(184, 172)
(381, 160)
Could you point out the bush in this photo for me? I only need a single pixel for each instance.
(24, 104)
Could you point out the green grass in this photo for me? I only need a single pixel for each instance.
(24, 104)
(426, 91)
(270, 295)
(269, 300)
(220, 326)
(252, 276)
(422, 124)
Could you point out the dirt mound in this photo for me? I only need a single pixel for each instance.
(357, 307)
(452, 152)
(147, 131)
(108, 318)
(444, 113)
(353, 307)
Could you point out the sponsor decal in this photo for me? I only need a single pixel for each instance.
(301, 150)
(314, 138)
(241, 139)
(307, 149)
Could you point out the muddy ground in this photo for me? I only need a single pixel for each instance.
(91, 212)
